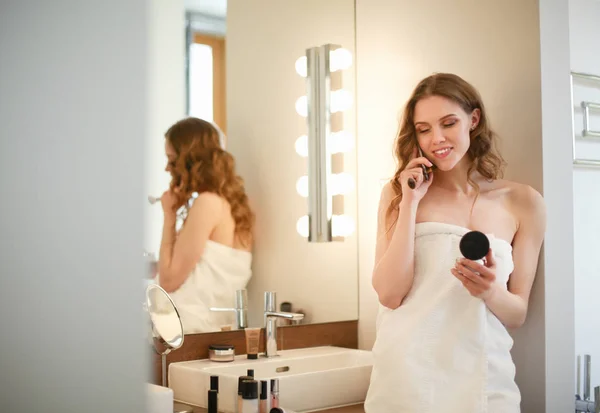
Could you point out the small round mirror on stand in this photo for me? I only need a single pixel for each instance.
(167, 330)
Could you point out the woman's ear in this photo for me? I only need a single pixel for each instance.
(475, 117)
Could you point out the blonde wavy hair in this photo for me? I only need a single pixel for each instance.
(482, 152)
(202, 165)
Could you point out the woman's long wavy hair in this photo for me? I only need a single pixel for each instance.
(202, 165)
(482, 152)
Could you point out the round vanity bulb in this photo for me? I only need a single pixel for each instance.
(302, 66)
(342, 225)
(302, 186)
(339, 142)
(302, 226)
(341, 183)
(302, 106)
(302, 146)
(339, 59)
(341, 100)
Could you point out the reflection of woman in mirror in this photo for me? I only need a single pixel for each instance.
(209, 258)
(442, 343)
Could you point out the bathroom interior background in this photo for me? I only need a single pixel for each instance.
(388, 61)
(519, 60)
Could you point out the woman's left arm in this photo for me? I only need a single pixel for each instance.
(179, 254)
(510, 305)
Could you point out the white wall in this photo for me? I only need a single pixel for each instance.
(165, 104)
(556, 335)
(495, 46)
(73, 124)
(264, 39)
(584, 31)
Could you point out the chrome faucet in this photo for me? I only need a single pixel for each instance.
(240, 310)
(584, 404)
(271, 317)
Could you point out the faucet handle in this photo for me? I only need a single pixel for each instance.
(241, 299)
(587, 372)
(270, 301)
(241, 315)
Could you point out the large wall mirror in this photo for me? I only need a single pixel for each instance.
(244, 73)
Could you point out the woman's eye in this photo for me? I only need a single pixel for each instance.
(448, 125)
(423, 131)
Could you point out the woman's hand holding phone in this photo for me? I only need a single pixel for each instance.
(412, 179)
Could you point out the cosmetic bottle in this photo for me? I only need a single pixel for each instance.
(213, 394)
(214, 383)
(250, 396)
(264, 397)
(241, 379)
(213, 401)
(274, 393)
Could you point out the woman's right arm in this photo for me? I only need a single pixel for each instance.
(395, 250)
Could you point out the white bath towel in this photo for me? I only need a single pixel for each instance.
(443, 350)
(213, 283)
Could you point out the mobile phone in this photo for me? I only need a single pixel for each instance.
(411, 182)
(425, 169)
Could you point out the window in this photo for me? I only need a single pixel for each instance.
(207, 79)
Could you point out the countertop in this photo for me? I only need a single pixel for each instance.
(357, 408)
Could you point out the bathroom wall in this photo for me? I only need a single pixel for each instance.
(584, 31)
(73, 122)
(165, 103)
(264, 39)
(498, 47)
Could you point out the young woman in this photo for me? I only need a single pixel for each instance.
(442, 342)
(203, 264)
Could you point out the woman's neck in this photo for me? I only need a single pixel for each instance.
(457, 179)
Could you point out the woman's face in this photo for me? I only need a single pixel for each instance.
(171, 156)
(442, 129)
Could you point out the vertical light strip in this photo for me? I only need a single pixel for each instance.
(312, 95)
(319, 160)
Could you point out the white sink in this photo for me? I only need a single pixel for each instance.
(158, 399)
(309, 379)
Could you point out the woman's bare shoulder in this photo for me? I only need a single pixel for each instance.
(523, 199)
(387, 192)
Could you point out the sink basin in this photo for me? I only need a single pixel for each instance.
(309, 379)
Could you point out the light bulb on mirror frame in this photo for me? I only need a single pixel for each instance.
(340, 59)
(302, 106)
(342, 226)
(341, 100)
(302, 226)
(302, 66)
(302, 186)
(339, 142)
(340, 184)
(301, 146)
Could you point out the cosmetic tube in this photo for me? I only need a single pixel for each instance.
(252, 342)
